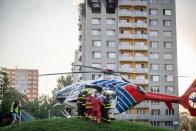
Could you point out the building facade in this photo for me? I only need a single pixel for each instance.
(24, 81)
(135, 36)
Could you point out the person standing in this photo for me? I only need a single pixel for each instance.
(107, 107)
(15, 112)
(96, 109)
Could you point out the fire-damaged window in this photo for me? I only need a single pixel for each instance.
(111, 6)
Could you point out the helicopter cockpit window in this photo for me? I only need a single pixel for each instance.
(141, 90)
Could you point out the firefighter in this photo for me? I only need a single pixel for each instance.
(96, 109)
(106, 108)
(89, 105)
(15, 112)
(81, 102)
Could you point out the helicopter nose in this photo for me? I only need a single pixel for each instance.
(60, 97)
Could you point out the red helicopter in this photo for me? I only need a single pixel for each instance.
(124, 94)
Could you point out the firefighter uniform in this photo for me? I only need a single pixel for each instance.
(96, 109)
(89, 106)
(106, 107)
(81, 102)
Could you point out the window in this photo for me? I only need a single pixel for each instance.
(111, 54)
(169, 78)
(153, 11)
(168, 67)
(110, 32)
(154, 89)
(167, 2)
(96, 54)
(155, 123)
(167, 11)
(153, 22)
(110, 21)
(152, 2)
(169, 89)
(154, 56)
(167, 33)
(168, 56)
(96, 43)
(169, 112)
(153, 33)
(167, 23)
(96, 21)
(96, 32)
(154, 67)
(154, 44)
(111, 44)
(168, 45)
(168, 123)
(155, 111)
(95, 76)
(111, 65)
(98, 65)
(154, 78)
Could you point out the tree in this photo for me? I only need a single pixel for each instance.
(193, 124)
(184, 121)
(62, 82)
(7, 95)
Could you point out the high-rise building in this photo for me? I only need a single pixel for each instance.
(135, 36)
(24, 81)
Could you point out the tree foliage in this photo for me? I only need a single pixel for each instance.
(62, 82)
(7, 95)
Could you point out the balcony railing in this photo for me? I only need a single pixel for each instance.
(126, 36)
(133, 70)
(125, 47)
(125, 58)
(138, 47)
(126, 69)
(141, 58)
(141, 36)
(144, 25)
(132, 13)
(129, 24)
(134, 3)
(126, 24)
(125, 13)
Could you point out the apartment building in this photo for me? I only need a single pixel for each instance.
(138, 37)
(24, 81)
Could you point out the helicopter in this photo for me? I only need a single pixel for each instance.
(125, 95)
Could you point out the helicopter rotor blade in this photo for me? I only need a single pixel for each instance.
(64, 73)
(89, 67)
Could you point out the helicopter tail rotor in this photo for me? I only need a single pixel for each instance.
(188, 100)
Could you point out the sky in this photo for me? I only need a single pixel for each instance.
(43, 35)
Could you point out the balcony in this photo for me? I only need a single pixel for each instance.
(141, 58)
(139, 3)
(125, 58)
(140, 81)
(139, 47)
(140, 25)
(126, 36)
(140, 36)
(140, 14)
(134, 3)
(125, 13)
(125, 24)
(126, 69)
(125, 47)
(140, 70)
